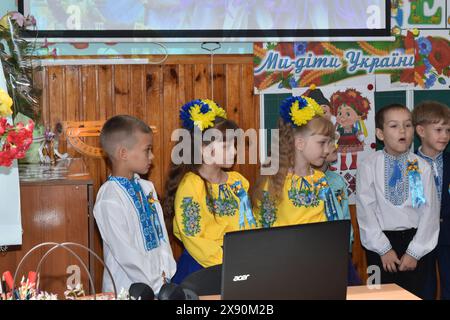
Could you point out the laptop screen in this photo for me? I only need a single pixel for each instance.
(308, 261)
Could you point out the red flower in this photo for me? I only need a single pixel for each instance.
(3, 125)
(407, 75)
(440, 54)
(17, 142)
(315, 47)
(409, 41)
(286, 49)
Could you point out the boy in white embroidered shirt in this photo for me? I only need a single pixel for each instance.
(396, 203)
(127, 211)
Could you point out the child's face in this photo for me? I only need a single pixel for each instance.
(140, 156)
(398, 131)
(315, 149)
(434, 136)
(332, 156)
(221, 153)
(346, 116)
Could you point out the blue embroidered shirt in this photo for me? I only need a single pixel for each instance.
(437, 164)
(396, 184)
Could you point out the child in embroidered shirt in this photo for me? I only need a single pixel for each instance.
(397, 211)
(128, 214)
(203, 199)
(432, 123)
(297, 193)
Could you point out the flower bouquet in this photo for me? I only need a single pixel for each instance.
(15, 139)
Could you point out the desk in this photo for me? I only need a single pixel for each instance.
(386, 292)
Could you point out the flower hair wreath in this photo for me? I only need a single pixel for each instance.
(299, 110)
(200, 113)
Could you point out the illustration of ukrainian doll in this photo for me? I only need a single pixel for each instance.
(350, 109)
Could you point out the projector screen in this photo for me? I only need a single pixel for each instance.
(218, 19)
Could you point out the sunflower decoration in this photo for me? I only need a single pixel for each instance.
(298, 110)
(200, 113)
(5, 104)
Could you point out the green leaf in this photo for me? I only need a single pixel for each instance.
(442, 80)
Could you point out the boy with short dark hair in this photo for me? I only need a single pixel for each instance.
(397, 211)
(127, 210)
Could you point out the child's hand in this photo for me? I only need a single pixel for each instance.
(390, 261)
(408, 263)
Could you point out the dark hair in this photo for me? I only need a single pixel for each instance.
(177, 171)
(381, 114)
(120, 129)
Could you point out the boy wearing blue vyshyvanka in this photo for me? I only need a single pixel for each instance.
(396, 201)
(127, 211)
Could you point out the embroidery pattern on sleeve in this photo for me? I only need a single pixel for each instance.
(268, 211)
(191, 216)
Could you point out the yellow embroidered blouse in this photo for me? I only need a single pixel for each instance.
(299, 203)
(196, 226)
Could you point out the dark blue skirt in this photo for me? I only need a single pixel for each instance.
(353, 278)
(185, 266)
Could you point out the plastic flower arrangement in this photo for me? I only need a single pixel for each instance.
(200, 113)
(17, 57)
(298, 110)
(15, 139)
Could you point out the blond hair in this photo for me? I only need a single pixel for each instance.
(316, 126)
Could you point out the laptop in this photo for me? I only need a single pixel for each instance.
(308, 261)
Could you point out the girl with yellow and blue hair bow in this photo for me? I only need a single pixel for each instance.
(205, 199)
(299, 193)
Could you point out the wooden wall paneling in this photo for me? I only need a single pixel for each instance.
(56, 92)
(93, 107)
(105, 105)
(155, 116)
(186, 84)
(233, 96)
(247, 119)
(90, 113)
(232, 91)
(137, 90)
(202, 87)
(121, 89)
(171, 105)
(219, 85)
(72, 100)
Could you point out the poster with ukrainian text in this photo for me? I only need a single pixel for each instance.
(419, 58)
(293, 65)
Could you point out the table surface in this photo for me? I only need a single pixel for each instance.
(384, 292)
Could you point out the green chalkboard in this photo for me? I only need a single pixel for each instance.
(271, 113)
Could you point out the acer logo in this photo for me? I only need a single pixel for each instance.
(241, 277)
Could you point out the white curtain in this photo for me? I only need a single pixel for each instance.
(10, 220)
